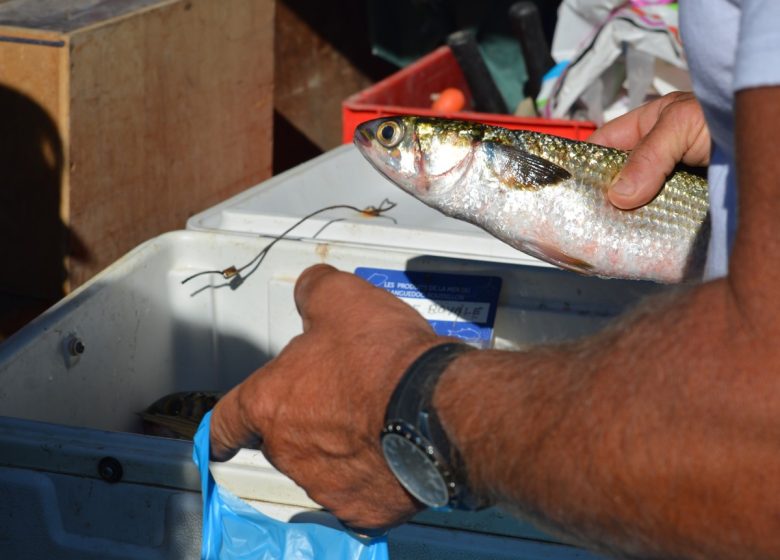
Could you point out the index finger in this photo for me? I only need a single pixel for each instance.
(328, 294)
(623, 132)
(626, 131)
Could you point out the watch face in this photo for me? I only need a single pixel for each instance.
(415, 470)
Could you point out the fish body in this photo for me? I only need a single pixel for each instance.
(544, 195)
(178, 415)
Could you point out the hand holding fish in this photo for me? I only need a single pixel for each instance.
(544, 195)
(659, 134)
(319, 406)
(656, 438)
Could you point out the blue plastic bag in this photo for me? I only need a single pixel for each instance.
(233, 530)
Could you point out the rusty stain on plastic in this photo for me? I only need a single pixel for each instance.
(323, 251)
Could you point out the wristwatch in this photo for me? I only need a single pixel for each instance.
(414, 443)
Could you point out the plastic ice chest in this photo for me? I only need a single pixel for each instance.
(408, 92)
(77, 477)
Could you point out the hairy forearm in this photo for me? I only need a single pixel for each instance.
(658, 437)
(637, 441)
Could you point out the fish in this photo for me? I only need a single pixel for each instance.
(178, 415)
(544, 195)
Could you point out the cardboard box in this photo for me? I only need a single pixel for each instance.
(121, 120)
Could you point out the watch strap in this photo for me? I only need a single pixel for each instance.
(414, 392)
(412, 404)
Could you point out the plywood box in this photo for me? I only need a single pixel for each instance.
(118, 121)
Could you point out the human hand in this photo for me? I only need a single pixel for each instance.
(318, 407)
(659, 134)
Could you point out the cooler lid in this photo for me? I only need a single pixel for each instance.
(343, 176)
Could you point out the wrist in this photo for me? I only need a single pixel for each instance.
(416, 447)
(396, 365)
(460, 408)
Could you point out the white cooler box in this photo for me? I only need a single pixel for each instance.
(77, 478)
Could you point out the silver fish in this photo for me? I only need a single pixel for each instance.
(544, 195)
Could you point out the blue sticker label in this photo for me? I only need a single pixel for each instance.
(456, 305)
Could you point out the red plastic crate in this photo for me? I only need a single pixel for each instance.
(408, 92)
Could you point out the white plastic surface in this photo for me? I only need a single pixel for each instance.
(145, 334)
(343, 176)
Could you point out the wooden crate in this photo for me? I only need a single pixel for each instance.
(118, 121)
(330, 41)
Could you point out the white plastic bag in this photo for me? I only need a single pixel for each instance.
(613, 55)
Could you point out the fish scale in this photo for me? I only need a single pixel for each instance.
(599, 165)
(544, 195)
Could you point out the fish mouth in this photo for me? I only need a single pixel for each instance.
(362, 137)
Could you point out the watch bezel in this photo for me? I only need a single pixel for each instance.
(439, 463)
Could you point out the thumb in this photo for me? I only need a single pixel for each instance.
(230, 430)
(648, 165)
(679, 134)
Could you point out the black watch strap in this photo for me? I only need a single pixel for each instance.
(411, 404)
(414, 391)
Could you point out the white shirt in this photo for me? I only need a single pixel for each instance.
(730, 45)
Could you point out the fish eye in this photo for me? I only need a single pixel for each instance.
(389, 133)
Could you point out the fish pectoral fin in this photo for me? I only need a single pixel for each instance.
(518, 168)
(555, 256)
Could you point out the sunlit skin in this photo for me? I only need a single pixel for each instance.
(656, 439)
(660, 134)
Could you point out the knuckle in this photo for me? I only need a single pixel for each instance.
(312, 279)
(679, 110)
(313, 274)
